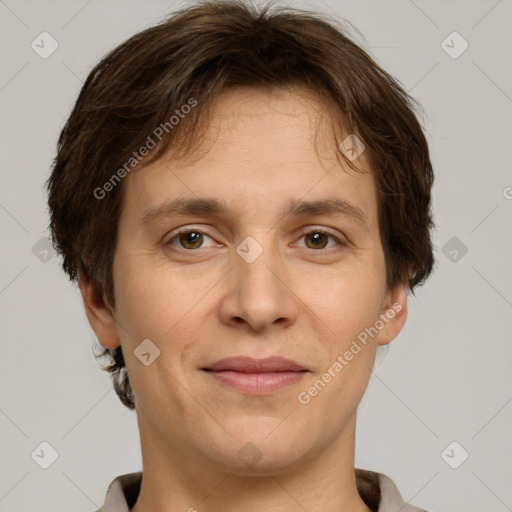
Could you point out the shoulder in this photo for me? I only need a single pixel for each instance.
(122, 493)
(391, 497)
(380, 493)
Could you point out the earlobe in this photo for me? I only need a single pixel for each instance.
(393, 314)
(99, 315)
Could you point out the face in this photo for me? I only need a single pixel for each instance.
(256, 280)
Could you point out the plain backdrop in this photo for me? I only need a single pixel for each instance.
(446, 378)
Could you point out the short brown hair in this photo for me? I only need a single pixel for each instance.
(197, 53)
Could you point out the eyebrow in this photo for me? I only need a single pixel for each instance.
(293, 208)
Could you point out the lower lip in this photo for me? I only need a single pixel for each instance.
(257, 383)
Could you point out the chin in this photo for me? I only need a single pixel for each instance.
(259, 446)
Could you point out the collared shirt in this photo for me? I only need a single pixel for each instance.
(377, 490)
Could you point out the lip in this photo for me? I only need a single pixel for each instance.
(256, 376)
(251, 365)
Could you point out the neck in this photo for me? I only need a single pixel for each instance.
(176, 480)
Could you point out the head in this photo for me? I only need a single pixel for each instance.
(256, 111)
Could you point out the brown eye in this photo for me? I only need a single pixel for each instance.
(318, 240)
(190, 239)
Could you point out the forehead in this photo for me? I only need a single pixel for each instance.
(262, 148)
(294, 120)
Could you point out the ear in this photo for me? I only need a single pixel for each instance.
(99, 315)
(393, 314)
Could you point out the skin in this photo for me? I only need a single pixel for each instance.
(203, 302)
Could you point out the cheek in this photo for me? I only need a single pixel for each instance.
(349, 300)
(144, 301)
(151, 305)
(159, 302)
(351, 305)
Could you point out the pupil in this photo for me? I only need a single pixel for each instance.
(190, 236)
(317, 238)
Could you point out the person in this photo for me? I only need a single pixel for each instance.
(243, 196)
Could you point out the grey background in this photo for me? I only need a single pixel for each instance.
(447, 377)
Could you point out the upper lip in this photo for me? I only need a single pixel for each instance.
(251, 365)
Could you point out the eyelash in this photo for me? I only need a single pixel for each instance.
(303, 234)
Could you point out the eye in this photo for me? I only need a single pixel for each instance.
(318, 238)
(189, 239)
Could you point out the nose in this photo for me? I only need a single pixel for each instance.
(259, 293)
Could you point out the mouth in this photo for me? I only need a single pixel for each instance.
(256, 376)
